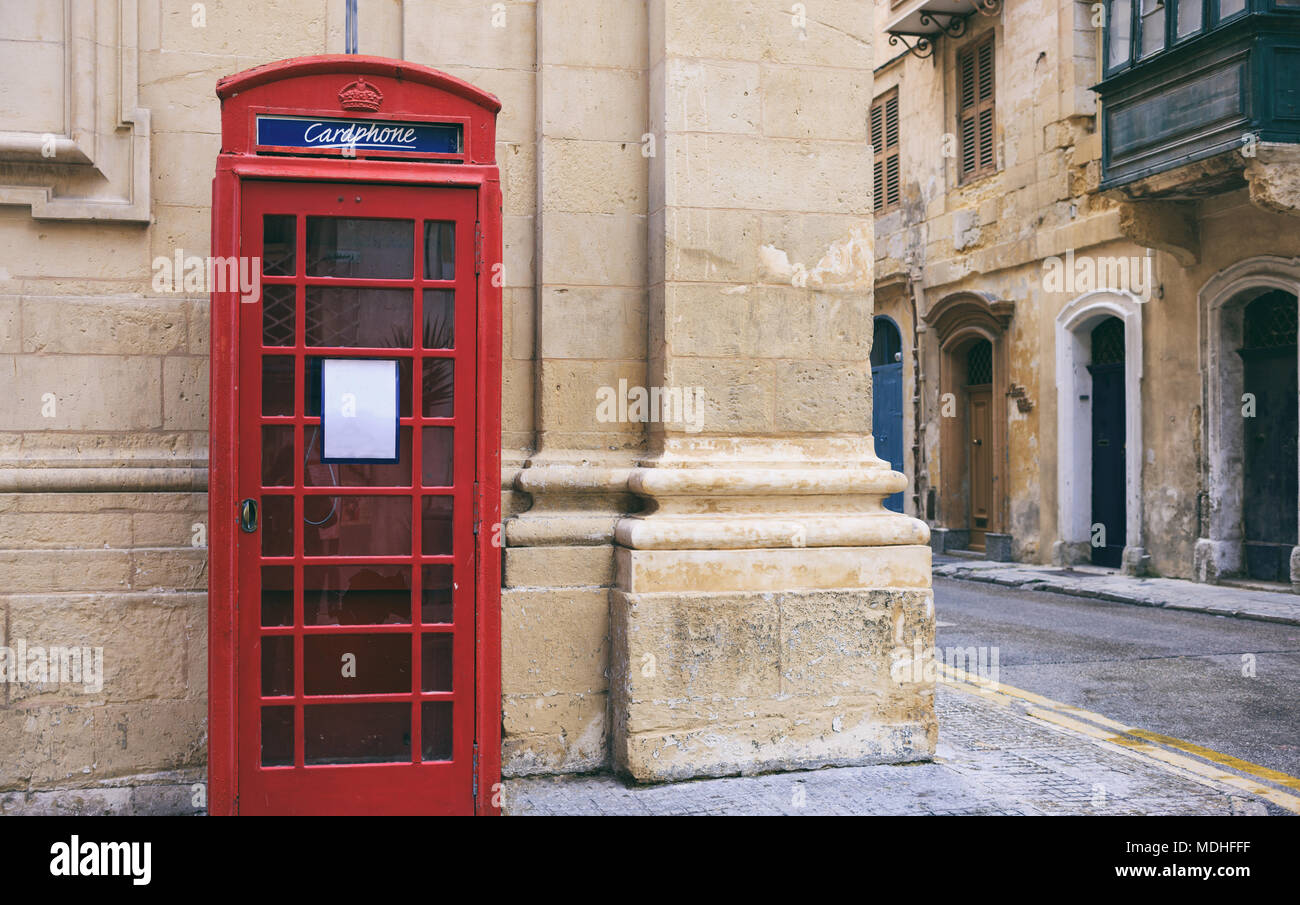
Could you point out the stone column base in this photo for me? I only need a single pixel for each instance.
(760, 608)
(558, 565)
(726, 683)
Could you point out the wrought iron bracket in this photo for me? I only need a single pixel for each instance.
(922, 49)
(955, 27)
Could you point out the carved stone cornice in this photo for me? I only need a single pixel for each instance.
(97, 166)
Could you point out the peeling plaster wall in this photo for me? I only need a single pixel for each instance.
(1230, 229)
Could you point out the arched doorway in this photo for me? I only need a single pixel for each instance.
(1106, 366)
(887, 399)
(1099, 431)
(1268, 356)
(1249, 374)
(978, 467)
(972, 422)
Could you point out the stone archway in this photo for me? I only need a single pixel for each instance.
(1222, 303)
(959, 321)
(1074, 425)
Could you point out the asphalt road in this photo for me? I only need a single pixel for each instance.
(1171, 672)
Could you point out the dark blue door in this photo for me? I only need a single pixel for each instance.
(1109, 506)
(1268, 470)
(887, 399)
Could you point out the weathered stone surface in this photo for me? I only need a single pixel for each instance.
(725, 683)
(557, 567)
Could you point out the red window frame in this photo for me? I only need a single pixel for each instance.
(311, 86)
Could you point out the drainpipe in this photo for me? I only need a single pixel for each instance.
(918, 396)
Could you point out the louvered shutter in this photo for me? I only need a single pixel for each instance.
(885, 146)
(977, 118)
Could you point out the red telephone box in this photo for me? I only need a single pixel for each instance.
(354, 646)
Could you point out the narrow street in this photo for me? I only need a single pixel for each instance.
(1174, 673)
(1048, 704)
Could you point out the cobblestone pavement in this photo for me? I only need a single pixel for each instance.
(994, 757)
(1107, 584)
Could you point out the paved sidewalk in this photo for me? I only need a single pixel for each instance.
(998, 754)
(1107, 584)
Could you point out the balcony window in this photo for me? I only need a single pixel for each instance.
(1191, 16)
(1138, 30)
(1152, 26)
(1119, 35)
(1186, 80)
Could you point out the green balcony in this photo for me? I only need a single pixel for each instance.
(1190, 80)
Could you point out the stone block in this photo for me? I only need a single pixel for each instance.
(592, 249)
(713, 684)
(998, 547)
(823, 396)
(593, 104)
(593, 177)
(593, 34)
(443, 33)
(592, 323)
(714, 96)
(704, 245)
(773, 569)
(801, 102)
(185, 392)
(739, 394)
(554, 640)
(10, 324)
(554, 733)
(558, 567)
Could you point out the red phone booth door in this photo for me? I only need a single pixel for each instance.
(356, 577)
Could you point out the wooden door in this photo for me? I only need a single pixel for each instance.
(980, 406)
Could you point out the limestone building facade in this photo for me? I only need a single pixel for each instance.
(1086, 240)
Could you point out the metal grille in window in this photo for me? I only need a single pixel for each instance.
(979, 364)
(1108, 342)
(1271, 321)
(278, 305)
(333, 325)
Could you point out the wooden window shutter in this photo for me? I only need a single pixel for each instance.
(885, 146)
(976, 116)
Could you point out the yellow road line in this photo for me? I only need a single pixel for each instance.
(1245, 766)
(1139, 740)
